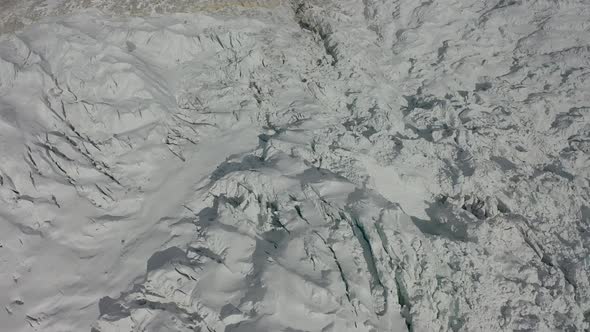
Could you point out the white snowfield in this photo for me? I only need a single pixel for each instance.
(335, 165)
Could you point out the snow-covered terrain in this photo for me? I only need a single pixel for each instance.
(335, 165)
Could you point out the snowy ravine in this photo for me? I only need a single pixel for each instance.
(335, 165)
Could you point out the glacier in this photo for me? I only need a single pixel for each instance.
(265, 165)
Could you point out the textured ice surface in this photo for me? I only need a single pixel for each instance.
(295, 166)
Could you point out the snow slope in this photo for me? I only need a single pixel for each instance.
(295, 166)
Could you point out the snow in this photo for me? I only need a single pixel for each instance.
(294, 166)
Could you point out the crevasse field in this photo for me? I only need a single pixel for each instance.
(335, 165)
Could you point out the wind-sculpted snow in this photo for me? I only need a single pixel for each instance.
(297, 166)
